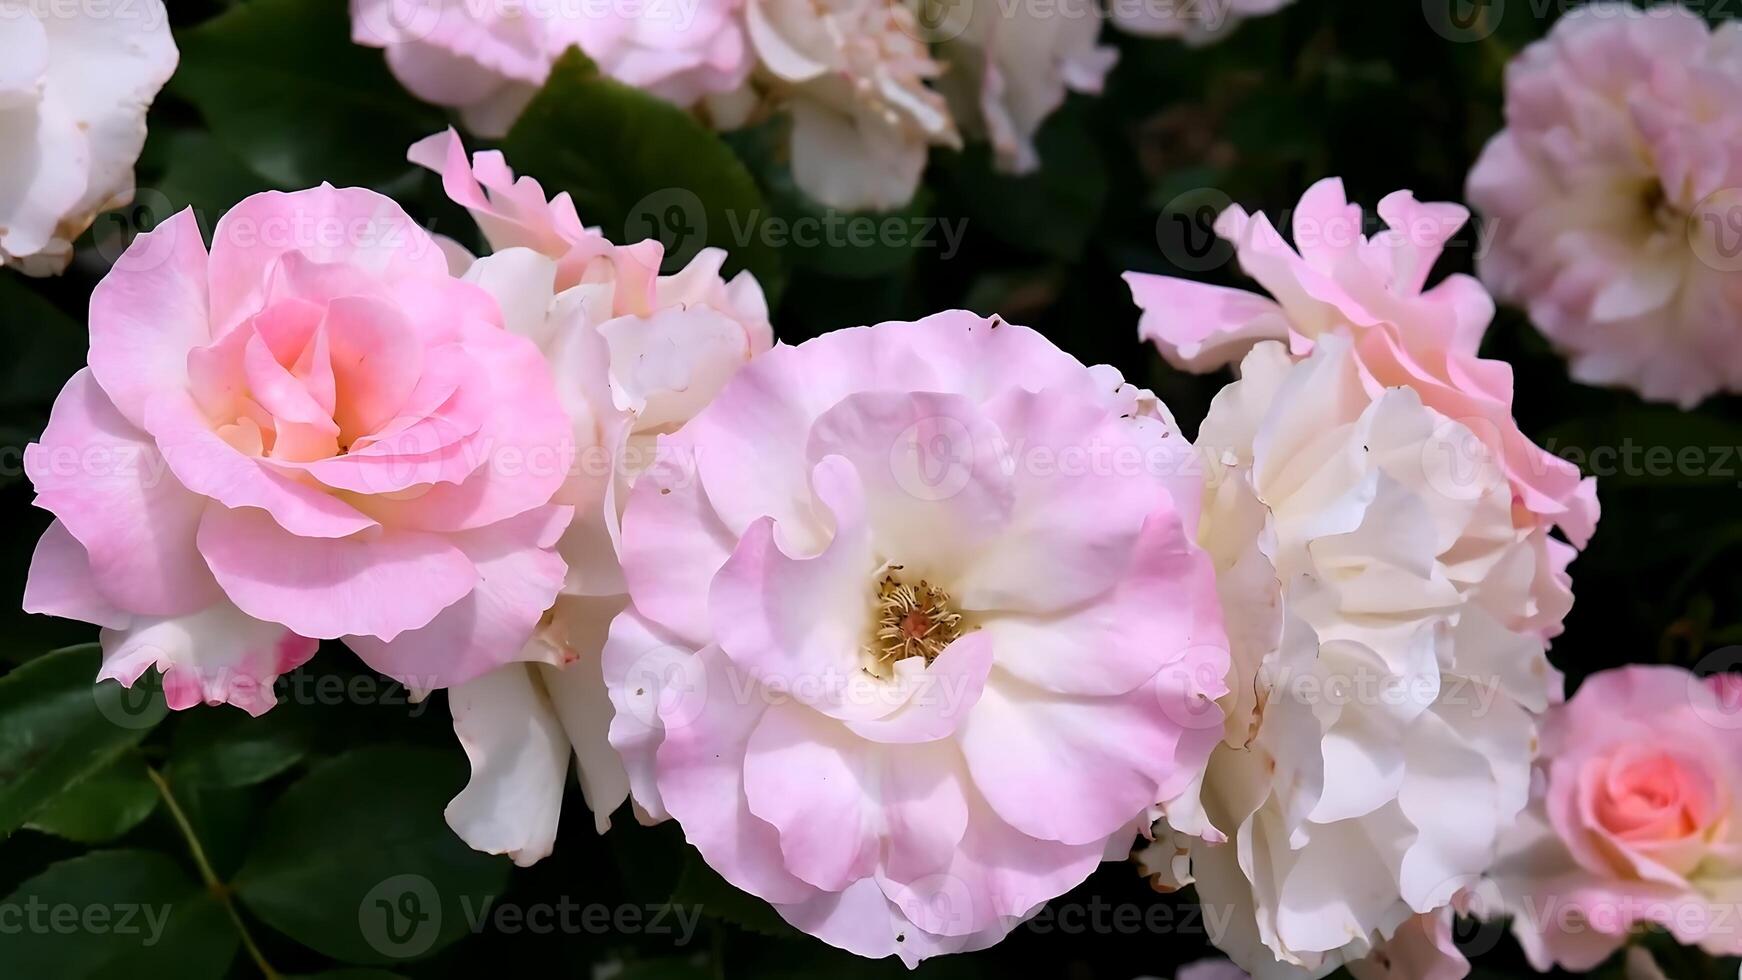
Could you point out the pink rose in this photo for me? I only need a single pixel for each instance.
(312, 432)
(1337, 280)
(1613, 195)
(488, 59)
(918, 630)
(1634, 821)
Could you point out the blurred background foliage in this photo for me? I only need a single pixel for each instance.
(271, 839)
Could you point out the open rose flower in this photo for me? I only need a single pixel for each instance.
(1633, 822)
(1615, 195)
(917, 630)
(488, 59)
(853, 74)
(74, 89)
(1388, 651)
(634, 354)
(1193, 21)
(311, 432)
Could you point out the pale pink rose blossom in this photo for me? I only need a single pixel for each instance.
(1388, 665)
(634, 354)
(487, 58)
(1013, 65)
(1193, 21)
(75, 84)
(1615, 197)
(853, 74)
(917, 630)
(1633, 822)
(1335, 280)
(312, 432)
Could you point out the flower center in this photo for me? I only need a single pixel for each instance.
(1660, 212)
(912, 621)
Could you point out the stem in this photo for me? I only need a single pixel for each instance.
(213, 884)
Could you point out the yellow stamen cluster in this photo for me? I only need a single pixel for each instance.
(912, 621)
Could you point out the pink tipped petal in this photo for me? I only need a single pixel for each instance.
(1200, 326)
(216, 656)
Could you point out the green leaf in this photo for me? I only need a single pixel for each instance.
(641, 168)
(1052, 211)
(112, 915)
(103, 806)
(702, 887)
(356, 861)
(281, 83)
(40, 346)
(348, 975)
(61, 728)
(228, 748)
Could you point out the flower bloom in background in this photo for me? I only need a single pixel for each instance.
(488, 59)
(634, 354)
(74, 89)
(853, 74)
(1193, 21)
(917, 630)
(857, 79)
(1013, 65)
(1382, 535)
(312, 432)
(1633, 822)
(1615, 194)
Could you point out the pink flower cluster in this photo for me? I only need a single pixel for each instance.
(869, 85)
(311, 431)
